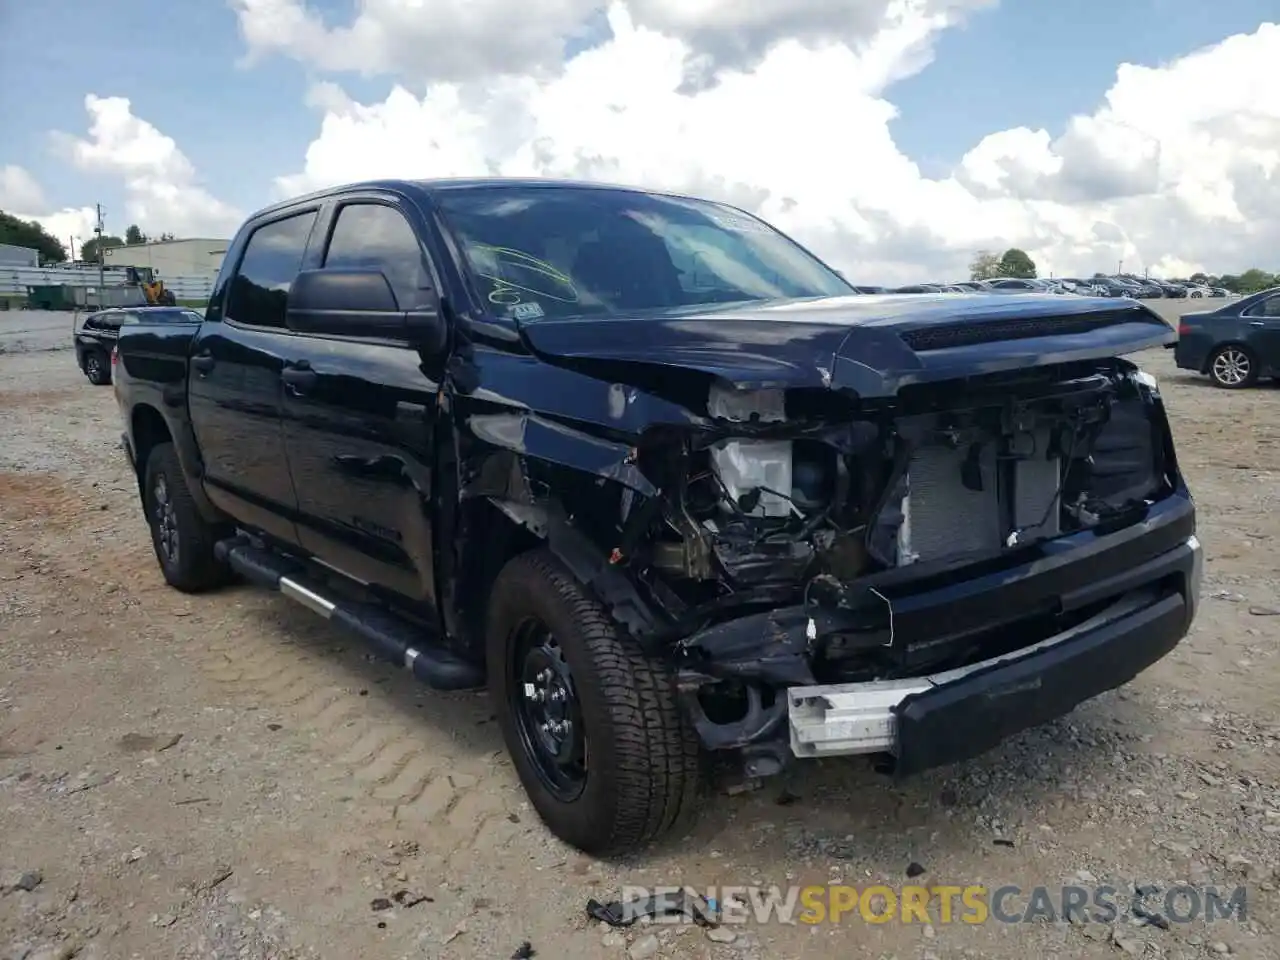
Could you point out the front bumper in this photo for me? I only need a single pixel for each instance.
(947, 717)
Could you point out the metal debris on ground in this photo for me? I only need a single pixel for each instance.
(407, 900)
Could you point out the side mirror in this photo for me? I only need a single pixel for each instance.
(361, 303)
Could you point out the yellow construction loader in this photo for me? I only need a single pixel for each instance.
(153, 289)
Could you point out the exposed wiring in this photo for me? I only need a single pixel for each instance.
(888, 603)
(1055, 500)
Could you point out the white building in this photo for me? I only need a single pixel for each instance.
(13, 256)
(195, 257)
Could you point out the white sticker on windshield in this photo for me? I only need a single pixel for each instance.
(527, 311)
(737, 223)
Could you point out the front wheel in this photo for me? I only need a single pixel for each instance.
(593, 727)
(182, 538)
(1233, 367)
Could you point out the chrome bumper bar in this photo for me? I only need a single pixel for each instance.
(859, 718)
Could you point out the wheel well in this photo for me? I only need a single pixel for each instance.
(489, 540)
(1208, 360)
(149, 429)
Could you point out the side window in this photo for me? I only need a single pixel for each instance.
(373, 236)
(1267, 308)
(271, 261)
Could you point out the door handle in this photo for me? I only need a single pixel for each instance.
(203, 362)
(299, 379)
(1256, 323)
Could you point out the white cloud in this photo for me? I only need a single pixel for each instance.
(460, 40)
(1179, 167)
(22, 196)
(19, 190)
(162, 190)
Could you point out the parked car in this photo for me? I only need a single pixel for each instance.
(918, 288)
(1073, 285)
(1014, 285)
(529, 434)
(1197, 291)
(864, 288)
(1145, 289)
(973, 286)
(1234, 345)
(96, 335)
(1128, 288)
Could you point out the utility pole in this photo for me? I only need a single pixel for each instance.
(71, 250)
(1120, 268)
(101, 262)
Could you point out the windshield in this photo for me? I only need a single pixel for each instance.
(568, 252)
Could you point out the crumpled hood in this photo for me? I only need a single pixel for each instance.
(870, 345)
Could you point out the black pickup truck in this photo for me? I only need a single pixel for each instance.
(95, 335)
(665, 483)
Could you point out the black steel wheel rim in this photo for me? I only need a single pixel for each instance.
(165, 519)
(93, 365)
(548, 716)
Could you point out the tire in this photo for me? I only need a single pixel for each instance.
(639, 755)
(1233, 367)
(97, 367)
(183, 540)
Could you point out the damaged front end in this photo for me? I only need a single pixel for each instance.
(807, 541)
(916, 573)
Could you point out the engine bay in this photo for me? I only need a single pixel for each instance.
(946, 475)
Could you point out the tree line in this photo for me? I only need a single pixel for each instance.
(29, 233)
(1016, 263)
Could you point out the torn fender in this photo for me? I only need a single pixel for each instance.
(542, 439)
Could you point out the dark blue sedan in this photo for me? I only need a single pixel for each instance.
(1235, 344)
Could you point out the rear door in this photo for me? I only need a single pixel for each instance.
(1262, 330)
(359, 416)
(235, 379)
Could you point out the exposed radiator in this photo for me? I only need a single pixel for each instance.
(943, 518)
(1035, 487)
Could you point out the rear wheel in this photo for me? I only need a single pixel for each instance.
(182, 538)
(97, 368)
(1233, 367)
(593, 727)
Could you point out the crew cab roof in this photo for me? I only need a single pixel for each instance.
(446, 184)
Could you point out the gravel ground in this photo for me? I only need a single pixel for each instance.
(229, 777)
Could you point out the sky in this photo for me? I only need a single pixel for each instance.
(895, 138)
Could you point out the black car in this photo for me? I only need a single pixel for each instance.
(662, 481)
(1014, 285)
(1235, 344)
(918, 288)
(1114, 287)
(99, 331)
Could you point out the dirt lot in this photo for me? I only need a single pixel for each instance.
(228, 777)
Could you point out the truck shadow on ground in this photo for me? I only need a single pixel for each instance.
(837, 812)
